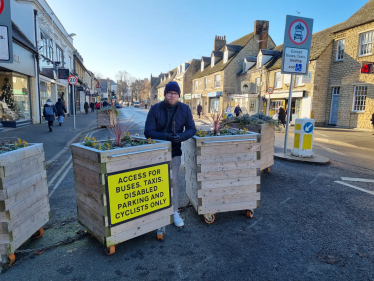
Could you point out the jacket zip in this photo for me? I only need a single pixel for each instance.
(172, 120)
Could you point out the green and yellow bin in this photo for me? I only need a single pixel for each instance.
(303, 141)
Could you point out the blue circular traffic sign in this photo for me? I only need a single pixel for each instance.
(308, 127)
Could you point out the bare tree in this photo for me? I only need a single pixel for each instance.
(124, 80)
(145, 90)
(98, 75)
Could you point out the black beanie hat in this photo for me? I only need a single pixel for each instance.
(172, 86)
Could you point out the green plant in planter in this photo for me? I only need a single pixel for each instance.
(254, 120)
(6, 146)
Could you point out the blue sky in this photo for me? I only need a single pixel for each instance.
(148, 36)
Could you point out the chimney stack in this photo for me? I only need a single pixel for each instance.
(219, 42)
(262, 29)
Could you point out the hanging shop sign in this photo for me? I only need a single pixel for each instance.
(6, 44)
(138, 192)
(63, 73)
(367, 67)
(79, 89)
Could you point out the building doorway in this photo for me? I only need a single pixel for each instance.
(334, 106)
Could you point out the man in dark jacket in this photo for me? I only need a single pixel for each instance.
(171, 120)
(282, 116)
(61, 110)
(237, 110)
(199, 109)
(372, 121)
(49, 112)
(86, 107)
(92, 105)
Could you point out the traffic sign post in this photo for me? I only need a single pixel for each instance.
(295, 56)
(303, 141)
(270, 90)
(73, 80)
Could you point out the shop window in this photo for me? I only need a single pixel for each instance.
(196, 87)
(366, 43)
(340, 49)
(359, 98)
(46, 46)
(217, 80)
(60, 56)
(299, 80)
(14, 97)
(258, 85)
(278, 80)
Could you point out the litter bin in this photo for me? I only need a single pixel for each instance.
(303, 142)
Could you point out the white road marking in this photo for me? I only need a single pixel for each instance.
(333, 150)
(60, 180)
(284, 201)
(59, 172)
(315, 178)
(357, 179)
(322, 134)
(253, 224)
(355, 187)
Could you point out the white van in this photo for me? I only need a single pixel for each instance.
(136, 104)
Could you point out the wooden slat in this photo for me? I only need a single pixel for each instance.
(201, 141)
(92, 203)
(228, 190)
(233, 182)
(9, 181)
(18, 187)
(226, 157)
(228, 166)
(92, 214)
(229, 199)
(85, 175)
(137, 231)
(240, 148)
(213, 209)
(98, 197)
(22, 165)
(85, 152)
(233, 174)
(26, 204)
(19, 154)
(89, 164)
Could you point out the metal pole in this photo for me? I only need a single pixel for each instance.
(73, 87)
(288, 115)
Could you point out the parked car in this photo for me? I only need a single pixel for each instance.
(117, 105)
(136, 104)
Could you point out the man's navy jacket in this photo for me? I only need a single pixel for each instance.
(157, 122)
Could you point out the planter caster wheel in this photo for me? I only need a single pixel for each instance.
(161, 233)
(90, 235)
(209, 218)
(249, 213)
(12, 259)
(267, 170)
(111, 250)
(39, 233)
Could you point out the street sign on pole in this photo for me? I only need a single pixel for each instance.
(295, 57)
(6, 43)
(296, 45)
(73, 79)
(270, 90)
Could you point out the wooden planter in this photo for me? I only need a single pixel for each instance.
(96, 174)
(104, 119)
(24, 201)
(267, 142)
(223, 174)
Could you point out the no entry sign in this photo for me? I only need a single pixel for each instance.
(296, 45)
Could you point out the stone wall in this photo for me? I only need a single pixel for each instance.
(346, 74)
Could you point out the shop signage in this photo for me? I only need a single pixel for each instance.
(6, 44)
(296, 45)
(214, 94)
(138, 192)
(63, 73)
(187, 97)
(196, 96)
(98, 85)
(367, 67)
(270, 90)
(307, 78)
(79, 89)
(73, 80)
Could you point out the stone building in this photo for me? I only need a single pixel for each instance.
(165, 78)
(215, 82)
(153, 93)
(350, 96)
(185, 72)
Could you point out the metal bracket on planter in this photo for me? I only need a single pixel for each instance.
(229, 140)
(136, 152)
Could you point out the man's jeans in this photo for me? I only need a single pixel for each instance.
(175, 164)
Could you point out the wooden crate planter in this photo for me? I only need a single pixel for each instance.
(91, 170)
(104, 119)
(223, 174)
(24, 200)
(267, 142)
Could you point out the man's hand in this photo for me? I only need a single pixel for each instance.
(174, 138)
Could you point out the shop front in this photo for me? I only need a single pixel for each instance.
(187, 99)
(300, 105)
(62, 93)
(214, 101)
(248, 103)
(196, 100)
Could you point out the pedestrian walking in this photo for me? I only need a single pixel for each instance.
(282, 116)
(105, 103)
(61, 110)
(92, 105)
(237, 110)
(372, 121)
(49, 113)
(199, 110)
(86, 107)
(97, 105)
(171, 120)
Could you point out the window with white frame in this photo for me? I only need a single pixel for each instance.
(299, 80)
(60, 55)
(244, 67)
(366, 43)
(46, 46)
(205, 83)
(195, 85)
(278, 80)
(258, 86)
(217, 80)
(335, 91)
(359, 98)
(340, 46)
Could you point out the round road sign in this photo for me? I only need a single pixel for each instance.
(73, 80)
(2, 4)
(298, 32)
(270, 90)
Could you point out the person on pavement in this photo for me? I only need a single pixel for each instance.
(372, 121)
(199, 110)
(49, 113)
(105, 103)
(97, 105)
(92, 105)
(237, 110)
(171, 120)
(61, 110)
(86, 107)
(282, 116)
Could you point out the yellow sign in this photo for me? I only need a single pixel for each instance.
(135, 193)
